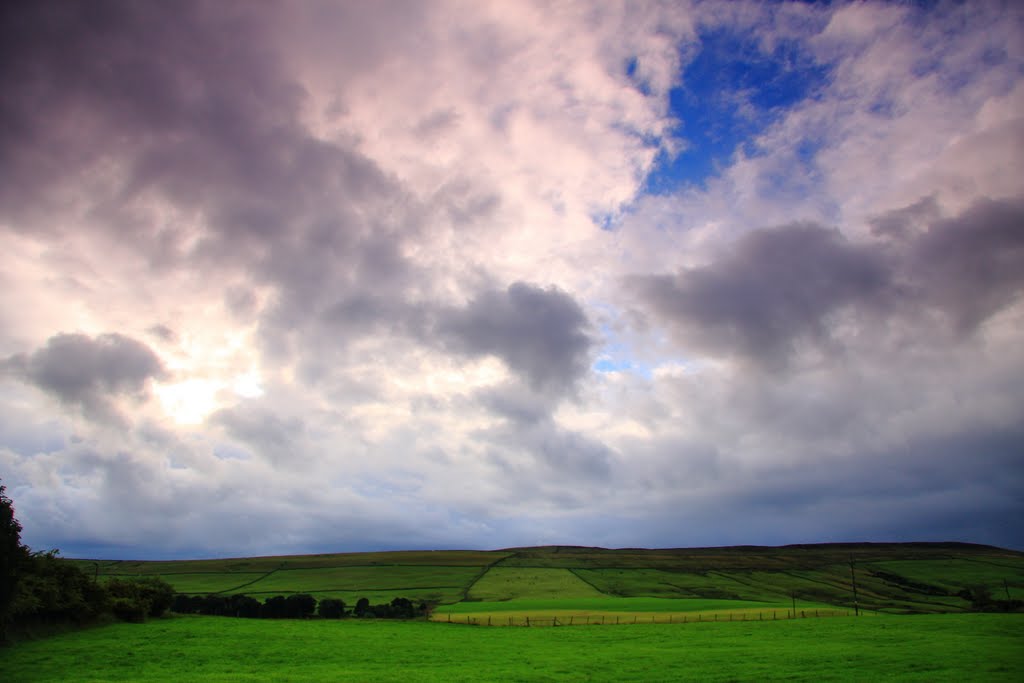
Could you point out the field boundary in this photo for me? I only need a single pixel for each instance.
(573, 571)
(629, 619)
(247, 583)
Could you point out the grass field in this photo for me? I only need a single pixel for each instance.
(901, 648)
(609, 610)
(899, 578)
(511, 583)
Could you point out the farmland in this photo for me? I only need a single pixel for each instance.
(731, 582)
(705, 613)
(914, 648)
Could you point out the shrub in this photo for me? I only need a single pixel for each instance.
(331, 608)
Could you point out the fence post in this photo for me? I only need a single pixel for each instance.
(570, 620)
(588, 620)
(602, 620)
(616, 619)
(449, 617)
(634, 618)
(527, 621)
(716, 616)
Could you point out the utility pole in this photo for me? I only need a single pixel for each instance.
(853, 580)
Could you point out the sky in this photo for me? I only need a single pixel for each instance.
(325, 276)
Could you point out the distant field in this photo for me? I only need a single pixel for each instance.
(510, 583)
(899, 578)
(217, 649)
(608, 610)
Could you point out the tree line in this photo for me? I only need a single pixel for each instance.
(295, 606)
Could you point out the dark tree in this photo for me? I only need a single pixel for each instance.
(244, 606)
(51, 590)
(331, 608)
(12, 557)
(186, 604)
(362, 607)
(300, 606)
(402, 608)
(273, 608)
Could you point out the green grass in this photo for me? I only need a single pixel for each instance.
(202, 583)
(954, 574)
(624, 610)
(364, 578)
(511, 583)
(901, 648)
(907, 577)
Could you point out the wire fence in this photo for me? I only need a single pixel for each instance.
(623, 619)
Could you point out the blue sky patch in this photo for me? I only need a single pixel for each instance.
(730, 92)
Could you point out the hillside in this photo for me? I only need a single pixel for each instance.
(890, 577)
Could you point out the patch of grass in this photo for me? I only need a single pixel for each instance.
(918, 648)
(956, 574)
(364, 578)
(625, 611)
(202, 583)
(511, 583)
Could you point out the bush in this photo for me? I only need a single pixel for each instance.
(300, 606)
(53, 591)
(129, 609)
(331, 608)
(151, 595)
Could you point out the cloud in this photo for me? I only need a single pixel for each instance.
(89, 372)
(374, 249)
(971, 266)
(542, 334)
(775, 288)
(778, 288)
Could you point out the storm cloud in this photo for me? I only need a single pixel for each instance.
(541, 333)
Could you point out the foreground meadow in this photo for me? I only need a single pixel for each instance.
(914, 648)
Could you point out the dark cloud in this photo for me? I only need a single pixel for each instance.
(780, 287)
(777, 286)
(87, 372)
(136, 102)
(971, 266)
(541, 334)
